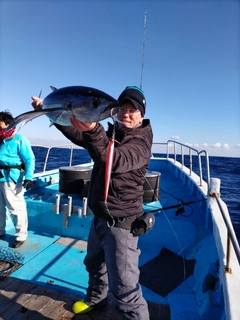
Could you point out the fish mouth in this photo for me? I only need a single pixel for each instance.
(113, 105)
(112, 108)
(113, 111)
(115, 117)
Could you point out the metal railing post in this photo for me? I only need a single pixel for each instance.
(190, 162)
(228, 255)
(231, 236)
(182, 155)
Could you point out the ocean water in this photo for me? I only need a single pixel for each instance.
(225, 168)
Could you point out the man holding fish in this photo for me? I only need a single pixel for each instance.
(121, 156)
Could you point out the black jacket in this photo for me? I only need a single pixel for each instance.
(132, 152)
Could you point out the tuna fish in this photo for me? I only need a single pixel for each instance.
(85, 103)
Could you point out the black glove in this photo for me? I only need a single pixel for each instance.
(27, 184)
(143, 224)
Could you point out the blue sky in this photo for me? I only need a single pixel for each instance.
(191, 71)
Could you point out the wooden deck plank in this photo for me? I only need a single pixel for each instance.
(20, 300)
(59, 306)
(11, 293)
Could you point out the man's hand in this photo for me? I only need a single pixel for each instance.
(82, 126)
(27, 184)
(37, 103)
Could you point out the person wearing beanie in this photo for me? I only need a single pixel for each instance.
(135, 96)
(112, 253)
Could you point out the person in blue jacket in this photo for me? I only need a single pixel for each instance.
(17, 165)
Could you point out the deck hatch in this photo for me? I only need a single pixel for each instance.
(165, 272)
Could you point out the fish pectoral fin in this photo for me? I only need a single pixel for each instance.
(27, 116)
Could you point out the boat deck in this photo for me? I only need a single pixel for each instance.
(20, 300)
(50, 279)
(52, 276)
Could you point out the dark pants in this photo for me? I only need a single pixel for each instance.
(112, 259)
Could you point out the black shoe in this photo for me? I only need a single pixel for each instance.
(17, 243)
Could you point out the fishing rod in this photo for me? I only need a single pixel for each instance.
(179, 206)
(143, 47)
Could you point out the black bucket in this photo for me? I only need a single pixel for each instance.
(73, 179)
(151, 186)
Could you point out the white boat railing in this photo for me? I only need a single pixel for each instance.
(171, 145)
(49, 148)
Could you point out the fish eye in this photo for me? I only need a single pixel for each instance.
(95, 103)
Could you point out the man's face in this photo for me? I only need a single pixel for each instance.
(129, 115)
(3, 125)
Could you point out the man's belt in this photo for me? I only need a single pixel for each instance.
(125, 223)
(11, 167)
(8, 168)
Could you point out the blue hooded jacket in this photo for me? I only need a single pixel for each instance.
(16, 151)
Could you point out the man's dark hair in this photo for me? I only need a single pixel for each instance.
(6, 117)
